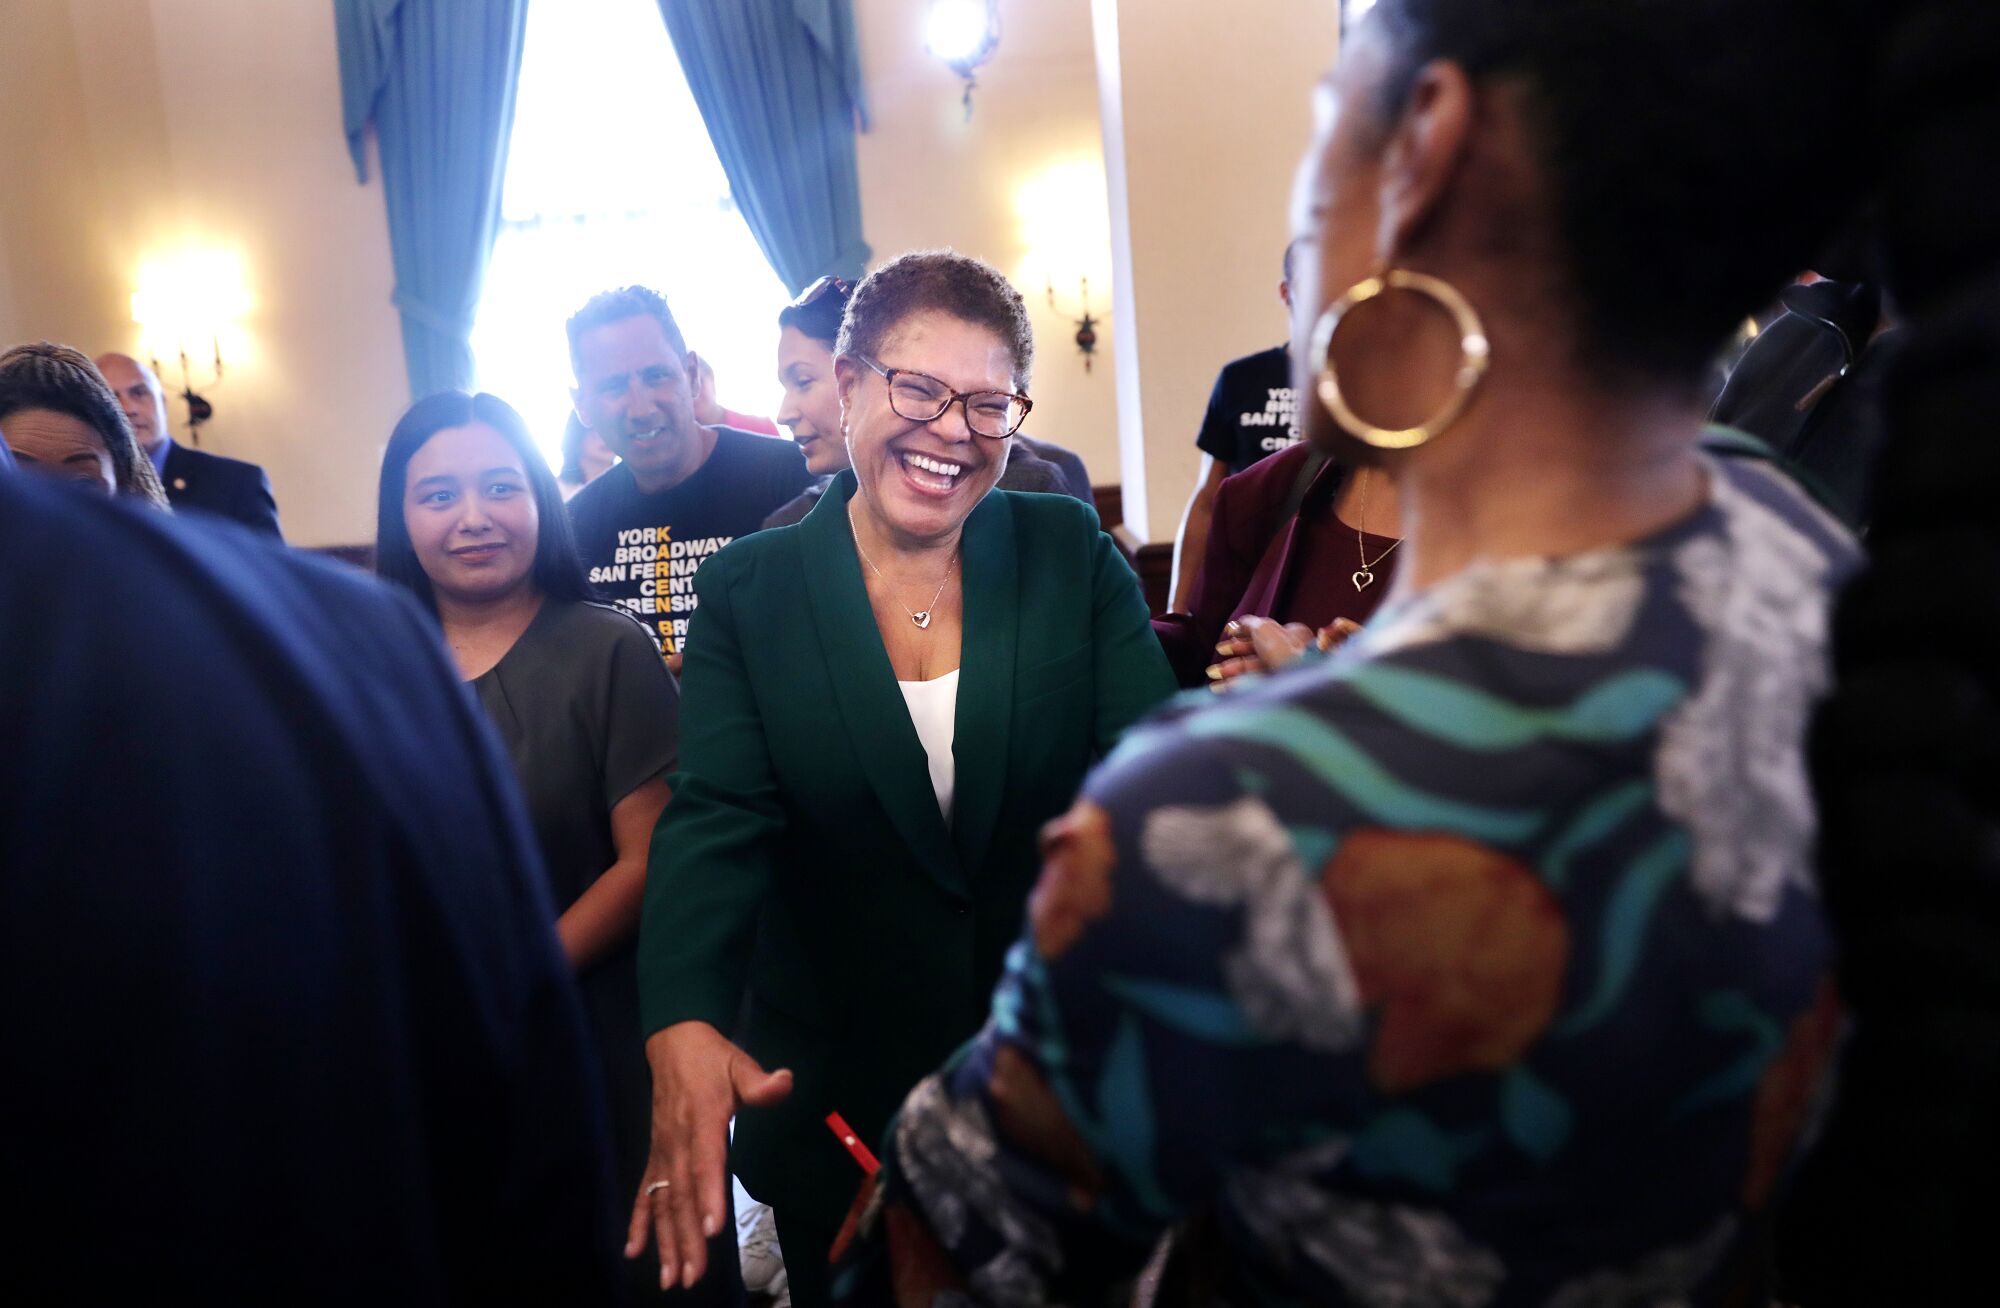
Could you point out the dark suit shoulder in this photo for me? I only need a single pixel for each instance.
(211, 465)
(1032, 473)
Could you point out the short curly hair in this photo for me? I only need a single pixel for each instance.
(62, 380)
(943, 281)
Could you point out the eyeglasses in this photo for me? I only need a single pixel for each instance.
(917, 397)
(820, 289)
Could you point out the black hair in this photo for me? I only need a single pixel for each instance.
(558, 570)
(822, 318)
(1697, 151)
(62, 380)
(1906, 752)
(968, 289)
(617, 306)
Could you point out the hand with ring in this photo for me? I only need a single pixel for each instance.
(700, 1079)
(1251, 644)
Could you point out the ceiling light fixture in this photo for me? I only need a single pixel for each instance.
(964, 34)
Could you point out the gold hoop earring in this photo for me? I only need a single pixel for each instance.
(1475, 354)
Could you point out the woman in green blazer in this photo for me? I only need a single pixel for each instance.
(881, 706)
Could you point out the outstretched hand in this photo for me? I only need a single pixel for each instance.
(700, 1079)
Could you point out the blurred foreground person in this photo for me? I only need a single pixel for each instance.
(1890, 1206)
(1480, 964)
(286, 1020)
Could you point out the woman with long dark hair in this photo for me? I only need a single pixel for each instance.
(470, 520)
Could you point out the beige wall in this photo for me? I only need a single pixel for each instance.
(138, 129)
(930, 178)
(51, 229)
(1206, 111)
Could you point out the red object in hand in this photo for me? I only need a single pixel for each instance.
(859, 1151)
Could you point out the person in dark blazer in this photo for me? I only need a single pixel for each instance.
(881, 707)
(1068, 464)
(194, 479)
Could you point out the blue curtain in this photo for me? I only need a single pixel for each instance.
(778, 83)
(437, 79)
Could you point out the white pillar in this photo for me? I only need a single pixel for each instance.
(1206, 109)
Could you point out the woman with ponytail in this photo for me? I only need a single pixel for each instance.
(1480, 964)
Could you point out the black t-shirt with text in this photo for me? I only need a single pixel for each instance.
(1252, 410)
(642, 550)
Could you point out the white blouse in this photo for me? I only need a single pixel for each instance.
(934, 713)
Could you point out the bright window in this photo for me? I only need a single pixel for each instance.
(611, 180)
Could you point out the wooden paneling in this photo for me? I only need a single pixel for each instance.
(1154, 563)
(1156, 574)
(1110, 501)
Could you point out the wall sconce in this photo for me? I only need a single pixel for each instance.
(963, 33)
(1065, 233)
(188, 305)
(1086, 326)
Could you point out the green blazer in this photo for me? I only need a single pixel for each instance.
(803, 858)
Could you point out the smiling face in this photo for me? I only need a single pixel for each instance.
(811, 406)
(632, 389)
(63, 446)
(921, 479)
(470, 511)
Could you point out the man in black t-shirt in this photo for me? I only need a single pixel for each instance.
(681, 491)
(1251, 414)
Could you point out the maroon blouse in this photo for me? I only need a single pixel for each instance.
(1259, 563)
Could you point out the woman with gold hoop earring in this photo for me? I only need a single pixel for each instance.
(1479, 961)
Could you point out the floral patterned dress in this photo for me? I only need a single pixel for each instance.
(1478, 965)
